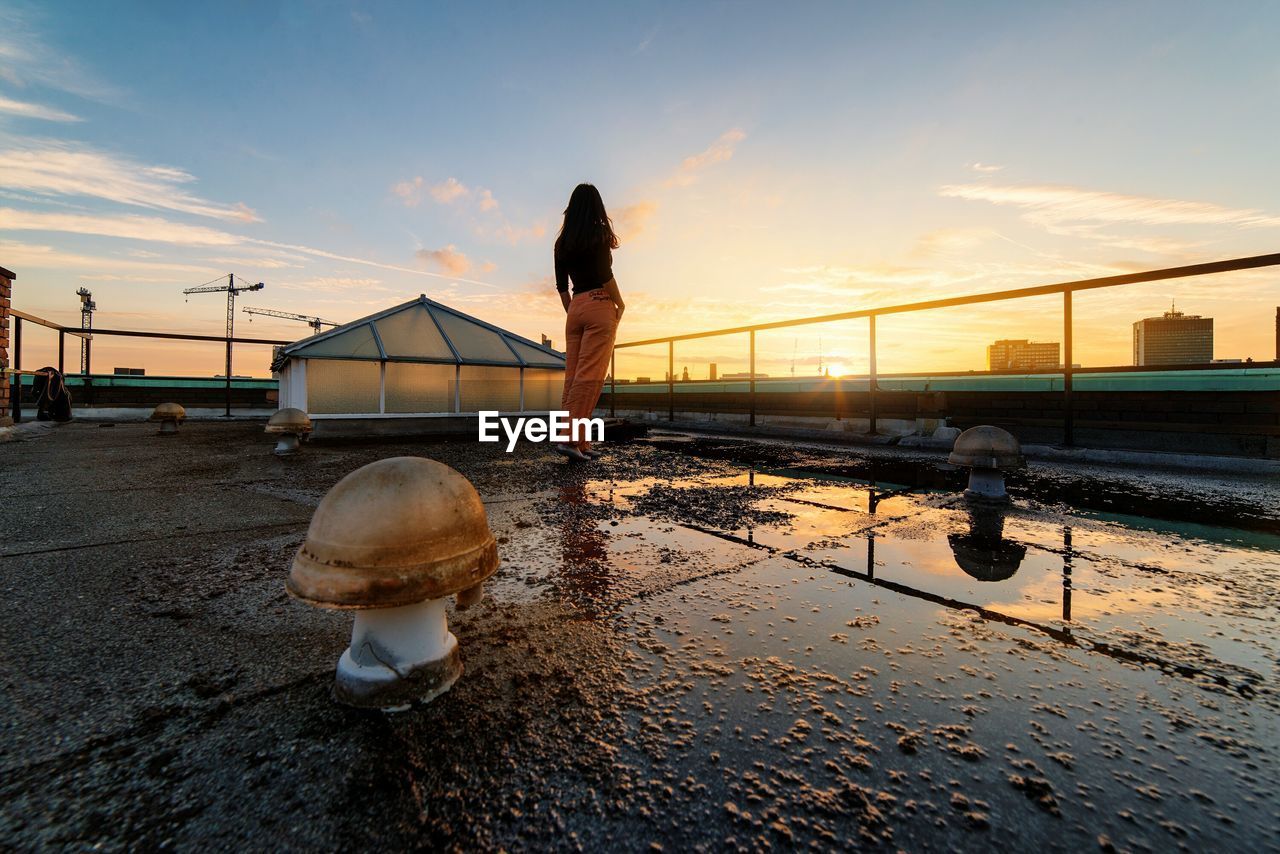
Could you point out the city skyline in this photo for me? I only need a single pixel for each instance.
(807, 181)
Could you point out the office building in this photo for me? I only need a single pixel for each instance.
(1022, 355)
(1173, 338)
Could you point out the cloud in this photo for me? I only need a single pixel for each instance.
(335, 284)
(718, 152)
(448, 259)
(513, 234)
(35, 111)
(159, 230)
(260, 263)
(634, 219)
(52, 168)
(1055, 205)
(487, 201)
(449, 190)
(646, 41)
(985, 168)
(948, 241)
(18, 255)
(132, 227)
(488, 267)
(410, 192)
(25, 60)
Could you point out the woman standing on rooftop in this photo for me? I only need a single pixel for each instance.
(584, 255)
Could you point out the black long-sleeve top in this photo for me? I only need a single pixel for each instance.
(588, 270)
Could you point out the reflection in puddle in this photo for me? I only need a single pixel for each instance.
(1073, 578)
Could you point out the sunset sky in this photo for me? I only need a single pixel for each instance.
(761, 161)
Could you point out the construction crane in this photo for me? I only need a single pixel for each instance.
(87, 305)
(231, 290)
(314, 322)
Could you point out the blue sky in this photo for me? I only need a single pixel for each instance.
(762, 160)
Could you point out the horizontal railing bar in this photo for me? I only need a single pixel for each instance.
(1227, 266)
(1004, 372)
(48, 324)
(185, 336)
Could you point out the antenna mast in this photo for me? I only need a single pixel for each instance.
(87, 305)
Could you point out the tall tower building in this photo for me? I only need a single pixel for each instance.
(1173, 338)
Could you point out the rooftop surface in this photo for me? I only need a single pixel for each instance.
(697, 642)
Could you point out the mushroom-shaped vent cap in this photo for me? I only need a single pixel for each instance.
(986, 447)
(392, 533)
(289, 421)
(169, 412)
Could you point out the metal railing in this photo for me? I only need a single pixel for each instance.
(87, 335)
(1064, 288)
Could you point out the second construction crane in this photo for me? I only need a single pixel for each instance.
(231, 289)
(315, 323)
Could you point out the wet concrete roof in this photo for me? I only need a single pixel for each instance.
(695, 643)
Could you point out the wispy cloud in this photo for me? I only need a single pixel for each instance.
(53, 168)
(412, 192)
(718, 152)
(632, 220)
(950, 241)
(154, 229)
(448, 259)
(646, 41)
(1054, 205)
(507, 232)
(44, 257)
(35, 111)
(448, 191)
(129, 226)
(335, 284)
(26, 60)
(985, 168)
(263, 263)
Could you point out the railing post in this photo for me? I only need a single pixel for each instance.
(62, 350)
(752, 371)
(15, 379)
(871, 375)
(613, 383)
(1068, 411)
(227, 414)
(671, 380)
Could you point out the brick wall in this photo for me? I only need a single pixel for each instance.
(6, 295)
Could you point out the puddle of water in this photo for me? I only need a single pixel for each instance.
(1186, 600)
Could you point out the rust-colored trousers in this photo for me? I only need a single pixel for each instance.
(588, 333)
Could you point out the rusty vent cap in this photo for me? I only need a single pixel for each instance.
(289, 421)
(392, 533)
(986, 447)
(169, 412)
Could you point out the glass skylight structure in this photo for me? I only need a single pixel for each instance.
(421, 358)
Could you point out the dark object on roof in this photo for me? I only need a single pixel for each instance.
(53, 401)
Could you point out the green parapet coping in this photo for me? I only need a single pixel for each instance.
(1224, 379)
(126, 381)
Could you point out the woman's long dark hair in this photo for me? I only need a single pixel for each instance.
(586, 223)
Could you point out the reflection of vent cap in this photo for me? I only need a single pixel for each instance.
(986, 447)
(289, 421)
(986, 560)
(395, 532)
(169, 412)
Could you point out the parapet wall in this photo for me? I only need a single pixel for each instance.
(1231, 422)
